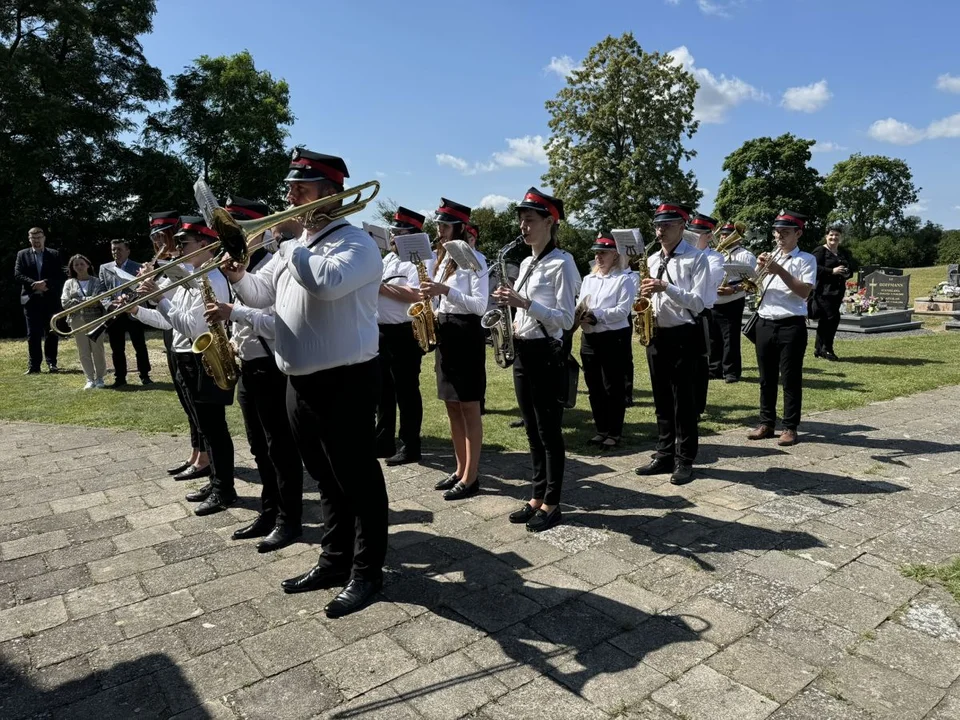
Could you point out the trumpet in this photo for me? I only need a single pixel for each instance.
(725, 247)
(238, 238)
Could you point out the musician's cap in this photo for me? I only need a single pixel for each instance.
(473, 230)
(451, 213)
(405, 219)
(668, 212)
(162, 221)
(727, 229)
(193, 224)
(541, 202)
(604, 241)
(790, 219)
(701, 223)
(243, 209)
(307, 166)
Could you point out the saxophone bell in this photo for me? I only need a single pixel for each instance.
(499, 321)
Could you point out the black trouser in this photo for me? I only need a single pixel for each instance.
(628, 364)
(828, 322)
(780, 348)
(672, 357)
(211, 421)
(262, 394)
(117, 332)
(702, 370)
(536, 381)
(196, 437)
(38, 312)
(604, 371)
(331, 414)
(400, 357)
(725, 336)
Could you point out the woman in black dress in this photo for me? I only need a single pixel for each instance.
(834, 266)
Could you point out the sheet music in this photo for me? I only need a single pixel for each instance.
(206, 201)
(413, 248)
(379, 233)
(629, 242)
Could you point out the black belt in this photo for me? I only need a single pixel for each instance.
(792, 320)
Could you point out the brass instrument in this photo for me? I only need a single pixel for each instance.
(725, 247)
(217, 355)
(583, 307)
(236, 237)
(424, 320)
(499, 321)
(644, 325)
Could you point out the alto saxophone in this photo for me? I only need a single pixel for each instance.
(643, 322)
(217, 355)
(424, 320)
(499, 320)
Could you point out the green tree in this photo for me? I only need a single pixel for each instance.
(618, 127)
(949, 250)
(871, 193)
(230, 122)
(766, 175)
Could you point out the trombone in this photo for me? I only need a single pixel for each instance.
(238, 238)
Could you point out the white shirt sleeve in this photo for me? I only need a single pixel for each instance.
(186, 315)
(259, 289)
(262, 322)
(333, 276)
(623, 307)
(476, 301)
(153, 318)
(567, 287)
(692, 299)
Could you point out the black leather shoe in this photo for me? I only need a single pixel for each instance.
(261, 527)
(145, 380)
(403, 457)
(817, 353)
(216, 502)
(682, 475)
(730, 379)
(193, 472)
(829, 356)
(53, 369)
(353, 597)
(523, 514)
(657, 466)
(201, 494)
(516, 423)
(119, 383)
(461, 491)
(447, 482)
(544, 520)
(316, 578)
(279, 537)
(179, 468)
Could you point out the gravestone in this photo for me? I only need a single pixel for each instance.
(894, 289)
(870, 269)
(953, 275)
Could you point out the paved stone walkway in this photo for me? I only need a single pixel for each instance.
(769, 587)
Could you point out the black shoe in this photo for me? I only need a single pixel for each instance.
(829, 355)
(216, 502)
(53, 369)
(461, 491)
(119, 383)
(386, 452)
(353, 597)
(176, 469)
(447, 482)
(523, 514)
(682, 475)
(544, 520)
(279, 537)
(316, 578)
(32, 372)
(261, 527)
(730, 379)
(145, 380)
(657, 466)
(516, 423)
(403, 457)
(193, 473)
(201, 494)
(817, 353)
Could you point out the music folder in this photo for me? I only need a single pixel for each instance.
(380, 234)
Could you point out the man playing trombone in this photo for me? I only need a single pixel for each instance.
(727, 317)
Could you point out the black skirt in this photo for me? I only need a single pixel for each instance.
(460, 358)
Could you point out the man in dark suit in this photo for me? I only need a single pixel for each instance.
(41, 278)
(121, 325)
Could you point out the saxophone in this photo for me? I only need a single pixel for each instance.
(217, 355)
(424, 321)
(499, 321)
(643, 324)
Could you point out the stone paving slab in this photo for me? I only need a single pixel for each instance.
(770, 587)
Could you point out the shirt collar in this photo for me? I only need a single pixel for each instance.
(682, 248)
(327, 229)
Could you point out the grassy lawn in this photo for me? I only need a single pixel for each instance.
(871, 370)
(922, 280)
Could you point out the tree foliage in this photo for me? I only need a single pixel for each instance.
(617, 131)
(871, 193)
(915, 246)
(949, 250)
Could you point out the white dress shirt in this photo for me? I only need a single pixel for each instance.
(324, 297)
(716, 261)
(469, 290)
(252, 324)
(740, 256)
(611, 300)
(396, 272)
(781, 302)
(184, 312)
(552, 290)
(687, 274)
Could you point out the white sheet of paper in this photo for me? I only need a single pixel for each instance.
(629, 242)
(733, 269)
(379, 233)
(413, 248)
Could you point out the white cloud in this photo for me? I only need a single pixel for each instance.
(562, 66)
(808, 98)
(715, 96)
(946, 128)
(948, 83)
(496, 202)
(901, 133)
(720, 8)
(380, 174)
(520, 152)
(451, 161)
(826, 146)
(922, 205)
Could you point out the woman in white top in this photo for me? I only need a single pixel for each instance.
(545, 298)
(460, 354)
(608, 294)
(79, 286)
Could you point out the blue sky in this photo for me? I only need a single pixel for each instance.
(445, 98)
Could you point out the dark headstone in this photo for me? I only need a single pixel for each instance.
(894, 289)
(868, 269)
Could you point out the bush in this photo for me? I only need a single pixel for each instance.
(949, 250)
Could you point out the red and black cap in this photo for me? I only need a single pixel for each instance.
(702, 223)
(451, 212)
(790, 219)
(194, 224)
(472, 230)
(243, 209)
(727, 229)
(541, 202)
(162, 221)
(604, 241)
(306, 166)
(668, 212)
(405, 219)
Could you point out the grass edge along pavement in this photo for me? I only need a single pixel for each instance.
(947, 575)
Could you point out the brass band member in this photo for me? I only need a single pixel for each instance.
(782, 327)
(610, 294)
(834, 266)
(702, 226)
(545, 298)
(207, 402)
(324, 288)
(679, 281)
(400, 354)
(461, 354)
(262, 392)
(727, 317)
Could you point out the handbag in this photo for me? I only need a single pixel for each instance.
(750, 328)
